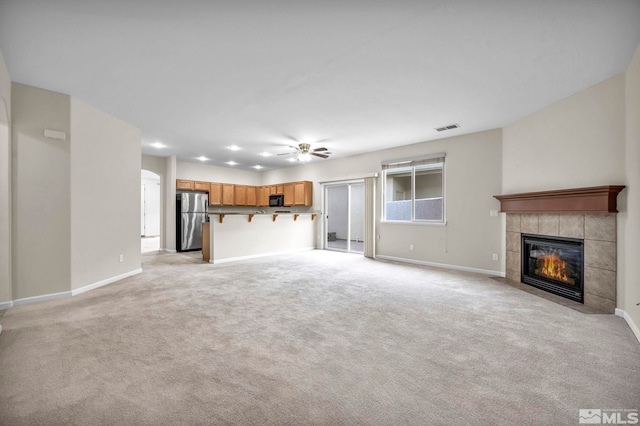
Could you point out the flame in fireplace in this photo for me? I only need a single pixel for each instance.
(554, 267)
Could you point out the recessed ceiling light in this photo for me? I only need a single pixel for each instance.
(257, 167)
(202, 158)
(158, 145)
(234, 148)
(231, 163)
(291, 159)
(266, 154)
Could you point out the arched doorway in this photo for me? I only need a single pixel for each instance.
(149, 211)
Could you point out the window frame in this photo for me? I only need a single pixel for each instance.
(413, 168)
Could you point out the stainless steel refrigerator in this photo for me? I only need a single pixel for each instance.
(191, 213)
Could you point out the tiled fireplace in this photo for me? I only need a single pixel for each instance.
(599, 234)
(584, 216)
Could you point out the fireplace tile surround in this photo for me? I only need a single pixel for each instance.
(598, 230)
(584, 213)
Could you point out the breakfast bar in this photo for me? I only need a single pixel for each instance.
(237, 236)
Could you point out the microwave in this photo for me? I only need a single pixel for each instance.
(276, 200)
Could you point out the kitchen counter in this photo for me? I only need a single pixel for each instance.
(244, 235)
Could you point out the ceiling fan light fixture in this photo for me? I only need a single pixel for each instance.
(304, 156)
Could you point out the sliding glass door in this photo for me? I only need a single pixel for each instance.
(344, 217)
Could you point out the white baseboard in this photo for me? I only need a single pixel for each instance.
(6, 305)
(41, 298)
(63, 294)
(105, 282)
(254, 256)
(168, 250)
(442, 265)
(632, 325)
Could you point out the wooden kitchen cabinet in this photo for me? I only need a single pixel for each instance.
(287, 189)
(206, 242)
(215, 194)
(303, 193)
(240, 195)
(201, 186)
(184, 184)
(263, 196)
(228, 194)
(252, 195)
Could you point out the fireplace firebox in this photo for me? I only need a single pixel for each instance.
(554, 264)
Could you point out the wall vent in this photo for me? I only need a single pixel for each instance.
(449, 127)
(55, 134)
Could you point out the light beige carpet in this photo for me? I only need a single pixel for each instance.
(313, 338)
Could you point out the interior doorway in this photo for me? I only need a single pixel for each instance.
(344, 218)
(150, 211)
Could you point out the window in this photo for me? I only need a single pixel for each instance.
(414, 190)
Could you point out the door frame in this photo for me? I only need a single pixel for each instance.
(325, 187)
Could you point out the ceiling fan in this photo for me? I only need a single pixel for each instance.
(304, 152)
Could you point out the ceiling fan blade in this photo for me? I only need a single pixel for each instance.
(319, 149)
(286, 153)
(319, 155)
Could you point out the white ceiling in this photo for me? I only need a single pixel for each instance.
(350, 75)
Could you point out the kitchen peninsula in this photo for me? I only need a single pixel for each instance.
(237, 236)
(236, 231)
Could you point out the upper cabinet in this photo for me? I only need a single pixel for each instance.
(263, 196)
(252, 195)
(303, 193)
(184, 184)
(298, 193)
(215, 194)
(287, 190)
(227, 194)
(240, 196)
(191, 185)
(201, 186)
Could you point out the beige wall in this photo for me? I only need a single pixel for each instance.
(574, 143)
(105, 195)
(208, 173)
(41, 205)
(578, 142)
(473, 176)
(5, 184)
(629, 237)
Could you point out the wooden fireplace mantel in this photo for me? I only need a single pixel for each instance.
(597, 199)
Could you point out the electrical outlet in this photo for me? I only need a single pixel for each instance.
(495, 256)
(121, 258)
(410, 246)
(493, 213)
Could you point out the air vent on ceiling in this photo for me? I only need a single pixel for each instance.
(449, 127)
